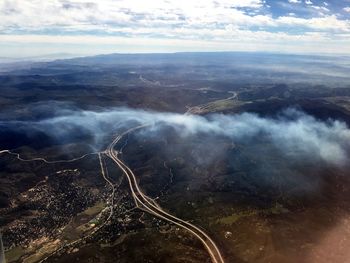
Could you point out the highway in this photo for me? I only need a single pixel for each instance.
(141, 200)
(149, 205)
(203, 107)
(2, 251)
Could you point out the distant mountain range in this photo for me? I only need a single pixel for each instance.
(48, 57)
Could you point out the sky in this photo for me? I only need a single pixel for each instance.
(30, 28)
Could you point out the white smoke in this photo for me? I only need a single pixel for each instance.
(293, 132)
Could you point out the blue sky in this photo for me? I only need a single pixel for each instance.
(84, 27)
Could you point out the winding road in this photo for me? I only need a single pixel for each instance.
(45, 160)
(149, 205)
(141, 200)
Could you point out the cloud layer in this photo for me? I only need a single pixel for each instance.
(271, 23)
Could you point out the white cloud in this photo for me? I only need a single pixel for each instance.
(206, 20)
(347, 9)
(130, 15)
(107, 13)
(321, 23)
(308, 2)
(321, 8)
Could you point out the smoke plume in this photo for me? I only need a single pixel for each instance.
(293, 132)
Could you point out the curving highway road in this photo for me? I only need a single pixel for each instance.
(149, 205)
(140, 198)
